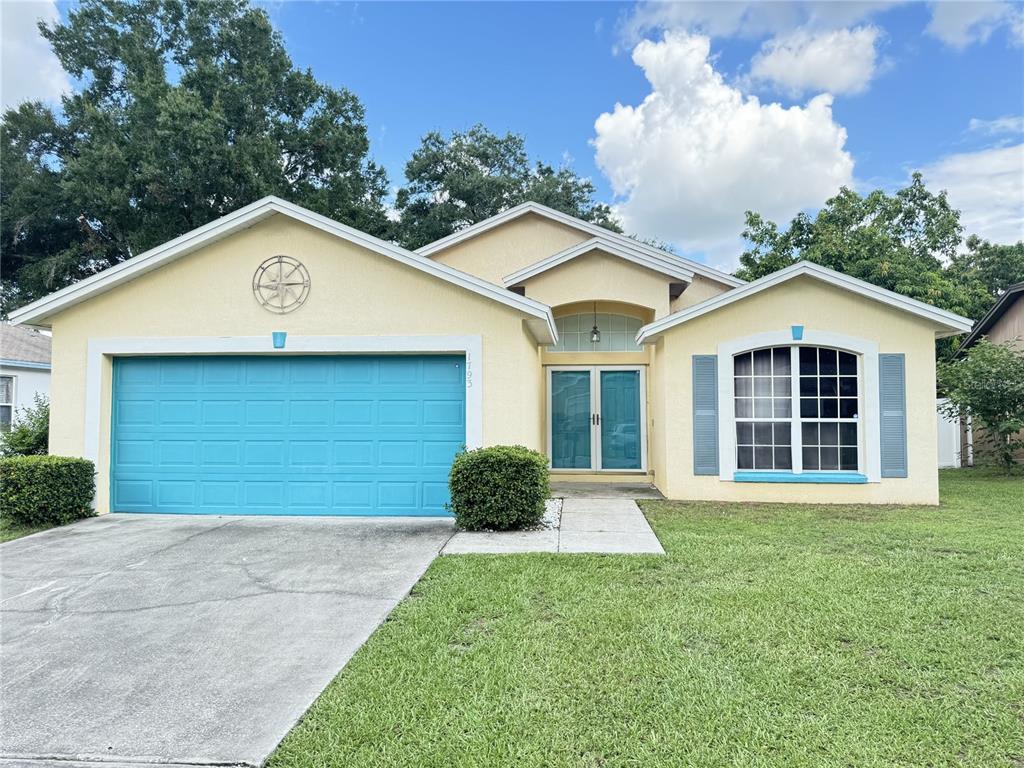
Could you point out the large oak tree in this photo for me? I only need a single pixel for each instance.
(458, 180)
(185, 111)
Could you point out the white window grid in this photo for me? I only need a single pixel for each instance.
(770, 431)
(618, 333)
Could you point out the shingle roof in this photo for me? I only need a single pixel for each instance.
(21, 344)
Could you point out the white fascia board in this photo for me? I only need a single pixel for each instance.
(571, 221)
(951, 323)
(248, 216)
(600, 244)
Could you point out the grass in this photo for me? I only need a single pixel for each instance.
(10, 530)
(771, 635)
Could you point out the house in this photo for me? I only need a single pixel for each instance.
(1003, 323)
(24, 370)
(275, 361)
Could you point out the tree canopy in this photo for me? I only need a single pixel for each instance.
(458, 180)
(908, 242)
(186, 111)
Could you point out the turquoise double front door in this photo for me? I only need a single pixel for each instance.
(597, 420)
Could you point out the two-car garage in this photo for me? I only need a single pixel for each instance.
(286, 434)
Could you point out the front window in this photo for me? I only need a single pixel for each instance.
(617, 332)
(797, 409)
(6, 402)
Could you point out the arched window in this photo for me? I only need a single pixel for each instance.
(618, 333)
(797, 408)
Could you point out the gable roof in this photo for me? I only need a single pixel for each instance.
(24, 345)
(1011, 295)
(607, 245)
(950, 323)
(571, 221)
(539, 318)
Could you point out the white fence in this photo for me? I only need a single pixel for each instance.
(949, 440)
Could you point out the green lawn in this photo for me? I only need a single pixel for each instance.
(10, 530)
(770, 635)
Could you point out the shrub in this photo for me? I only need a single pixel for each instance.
(30, 432)
(46, 490)
(988, 384)
(502, 487)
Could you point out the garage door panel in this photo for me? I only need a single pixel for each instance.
(287, 435)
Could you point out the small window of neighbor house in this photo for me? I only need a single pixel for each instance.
(6, 402)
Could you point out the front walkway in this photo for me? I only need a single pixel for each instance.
(596, 525)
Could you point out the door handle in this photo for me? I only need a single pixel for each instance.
(595, 419)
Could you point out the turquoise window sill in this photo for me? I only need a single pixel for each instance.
(806, 477)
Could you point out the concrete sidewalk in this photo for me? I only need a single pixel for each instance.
(595, 525)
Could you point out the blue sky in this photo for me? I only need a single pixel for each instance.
(725, 106)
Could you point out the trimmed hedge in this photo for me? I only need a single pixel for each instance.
(46, 490)
(501, 488)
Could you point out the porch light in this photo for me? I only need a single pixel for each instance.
(595, 334)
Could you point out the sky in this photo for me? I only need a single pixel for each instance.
(684, 115)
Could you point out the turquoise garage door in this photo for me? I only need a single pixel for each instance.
(286, 435)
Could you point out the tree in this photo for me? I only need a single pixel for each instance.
(901, 242)
(455, 182)
(188, 110)
(988, 384)
(30, 433)
(995, 267)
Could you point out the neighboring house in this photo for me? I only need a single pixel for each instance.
(1004, 322)
(24, 369)
(275, 361)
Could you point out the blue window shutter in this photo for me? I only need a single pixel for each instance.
(705, 415)
(892, 407)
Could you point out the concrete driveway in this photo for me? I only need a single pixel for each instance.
(191, 640)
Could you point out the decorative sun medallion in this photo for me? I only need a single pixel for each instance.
(281, 284)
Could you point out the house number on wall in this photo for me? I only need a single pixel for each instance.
(281, 284)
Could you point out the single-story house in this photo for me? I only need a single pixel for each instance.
(1003, 323)
(275, 361)
(24, 370)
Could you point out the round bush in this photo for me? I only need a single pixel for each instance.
(46, 490)
(501, 488)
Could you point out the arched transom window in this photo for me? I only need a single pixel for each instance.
(618, 333)
(797, 408)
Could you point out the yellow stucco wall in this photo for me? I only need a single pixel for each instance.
(354, 292)
(510, 247)
(700, 289)
(807, 302)
(598, 276)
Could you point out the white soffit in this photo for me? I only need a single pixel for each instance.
(636, 256)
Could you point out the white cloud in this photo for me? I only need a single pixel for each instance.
(30, 71)
(747, 19)
(988, 188)
(1001, 125)
(961, 24)
(836, 61)
(695, 154)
